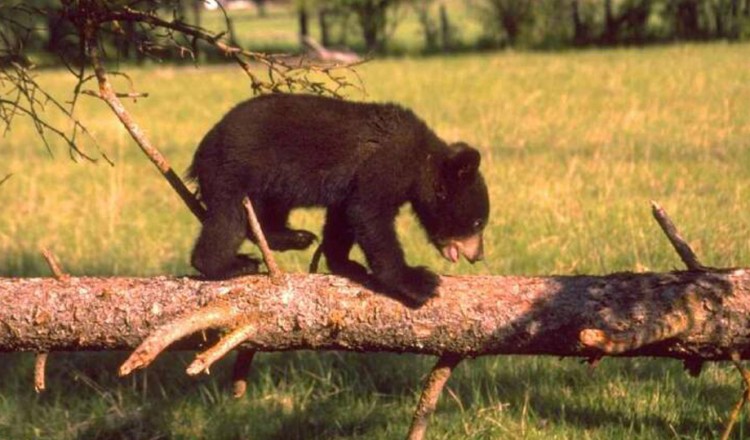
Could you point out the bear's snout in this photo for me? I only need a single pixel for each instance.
(471, 247)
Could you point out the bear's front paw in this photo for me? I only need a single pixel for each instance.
(420, 284)
(414, 285)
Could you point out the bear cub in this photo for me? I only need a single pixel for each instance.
(361, 161)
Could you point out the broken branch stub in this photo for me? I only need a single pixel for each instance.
(433, 387)
(680, 245)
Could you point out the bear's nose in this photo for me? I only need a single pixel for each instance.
(473, 248)
(479, 255)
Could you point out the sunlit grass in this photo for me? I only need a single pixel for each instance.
(574, 145)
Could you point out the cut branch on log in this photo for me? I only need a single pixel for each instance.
(40, 363)
(681, 246)
(240, 371)
(255, 227)
(54, 265)
(744, 397)
(40, 366)
(433, 387)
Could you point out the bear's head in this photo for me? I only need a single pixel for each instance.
(454, 207)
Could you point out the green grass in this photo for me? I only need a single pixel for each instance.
(574, 146)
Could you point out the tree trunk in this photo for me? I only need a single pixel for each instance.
(325, 38)
(429, 28)
(579, 29)
(610, 24)
(260, 5)
(734, 19)
(687, 21)
(303, 22)
(446, 37)
(687, 315)
(197, 12)
(372, 16)
(719, 19)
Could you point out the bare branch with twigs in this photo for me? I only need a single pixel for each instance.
(21, 95)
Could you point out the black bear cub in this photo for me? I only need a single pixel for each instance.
(362, 162)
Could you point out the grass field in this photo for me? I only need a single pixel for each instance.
(574, 146)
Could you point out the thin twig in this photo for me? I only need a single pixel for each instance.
(54, 265)
(27, 97)
(433, 386)
(680, 245)
(39, 368)
(273, 268)
(240, 371)
(737, 361)
(133, 95)
(226, 344)
(5, 179)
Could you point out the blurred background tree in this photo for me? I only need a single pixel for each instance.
(389, 26)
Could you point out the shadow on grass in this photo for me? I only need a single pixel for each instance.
(291, 395)
(325, 395)
(643, 397)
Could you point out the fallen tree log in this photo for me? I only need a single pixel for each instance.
(685, 315)
(696, 315)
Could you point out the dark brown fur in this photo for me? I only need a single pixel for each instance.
(361, 161)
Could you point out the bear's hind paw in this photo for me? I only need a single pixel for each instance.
(291, 239)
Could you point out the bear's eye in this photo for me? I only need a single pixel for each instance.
(478, 223)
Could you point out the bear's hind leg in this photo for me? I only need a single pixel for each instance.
(273, 217)
(215, 252)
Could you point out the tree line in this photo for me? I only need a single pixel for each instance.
(368, 25)
(544, 24)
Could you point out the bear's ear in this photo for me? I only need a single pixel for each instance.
(463, 165)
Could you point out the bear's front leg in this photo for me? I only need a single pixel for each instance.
(338, 239)
(375, 232)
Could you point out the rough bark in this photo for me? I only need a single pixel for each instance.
(688, 315)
